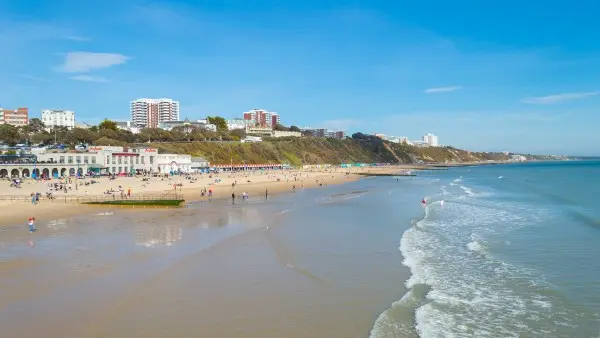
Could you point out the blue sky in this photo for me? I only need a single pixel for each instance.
(482, 75)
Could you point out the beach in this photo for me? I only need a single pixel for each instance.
(254, 183)
(322, 261)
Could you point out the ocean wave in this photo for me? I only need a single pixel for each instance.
(470, 292)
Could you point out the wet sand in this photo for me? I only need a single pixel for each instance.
(310, 264)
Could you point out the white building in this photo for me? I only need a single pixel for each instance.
(58, 118)
(114, 160)
(252, 139)
(171, 163)
(236, 124)
(430, 139)
(285, 133)
(127, 125)
(190, 125)
(147, 113)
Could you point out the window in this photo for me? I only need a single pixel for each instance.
(78, 159)
(142, 160)
(119, 159)
(137, 160)
(114, 160)
(114, 170)
(93, 159)
(107, 159)
(151, 159)
(86, 159)
(125, 160)
(70, 159)
(120, 169)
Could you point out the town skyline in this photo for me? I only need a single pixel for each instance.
(395, 69)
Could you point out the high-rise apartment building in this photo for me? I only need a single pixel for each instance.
(262, 118)
(430, 139)
(17, 117)
(147, 113)
(58, 118)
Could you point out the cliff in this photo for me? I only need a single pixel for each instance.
(301, 151)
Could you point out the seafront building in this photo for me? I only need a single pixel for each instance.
(188, 126)
(262, 118)
(58, 118)
(430, 140)
(234, 124)
(148, 113)
(16, 117)
(99, 159)
(323, 132)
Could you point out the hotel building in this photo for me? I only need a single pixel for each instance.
(148, 113)
(17, 117)
(58, 118)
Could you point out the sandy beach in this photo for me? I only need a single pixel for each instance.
(255, 184)
(320, 262)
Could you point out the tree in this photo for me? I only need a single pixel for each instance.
(36, 125)
(219, 122)
(294, 128)
(281, 127)
(42, 137)
(9, 134)
(108, 125)
(79, 135)
(240, 133)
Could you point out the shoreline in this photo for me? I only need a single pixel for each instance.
(254, 184)
(276, 182)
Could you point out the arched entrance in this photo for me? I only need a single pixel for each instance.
(54, 172)
(14, 173)
(36, 173)
(3, 173)
(72, 172)
(26, 173)
(80, 172)
(46, 172)
(63, 171)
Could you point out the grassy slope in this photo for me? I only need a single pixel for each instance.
(300, 151)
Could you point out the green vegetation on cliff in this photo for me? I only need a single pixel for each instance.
(301, 151)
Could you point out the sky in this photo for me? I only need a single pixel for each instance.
(521, 76)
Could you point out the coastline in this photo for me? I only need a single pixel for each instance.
(306, 265)
(275, 183)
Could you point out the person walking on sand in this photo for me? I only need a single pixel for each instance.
(266, 194)
(232, 198)
(31, 224)
(129, 193)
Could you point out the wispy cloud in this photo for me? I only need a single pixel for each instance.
(551, 99)
(33, 78)
(77, 38)
(342, 124)
(82, 62)
(89, 78)
(442, 89)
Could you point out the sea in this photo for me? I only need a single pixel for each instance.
(497, 251)
(503, 251)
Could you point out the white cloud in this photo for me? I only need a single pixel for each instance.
(343, 124)
(77, 38)
(442, 89)
(32, 78)
(551, 99)
(82, 62)
(89, 78)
